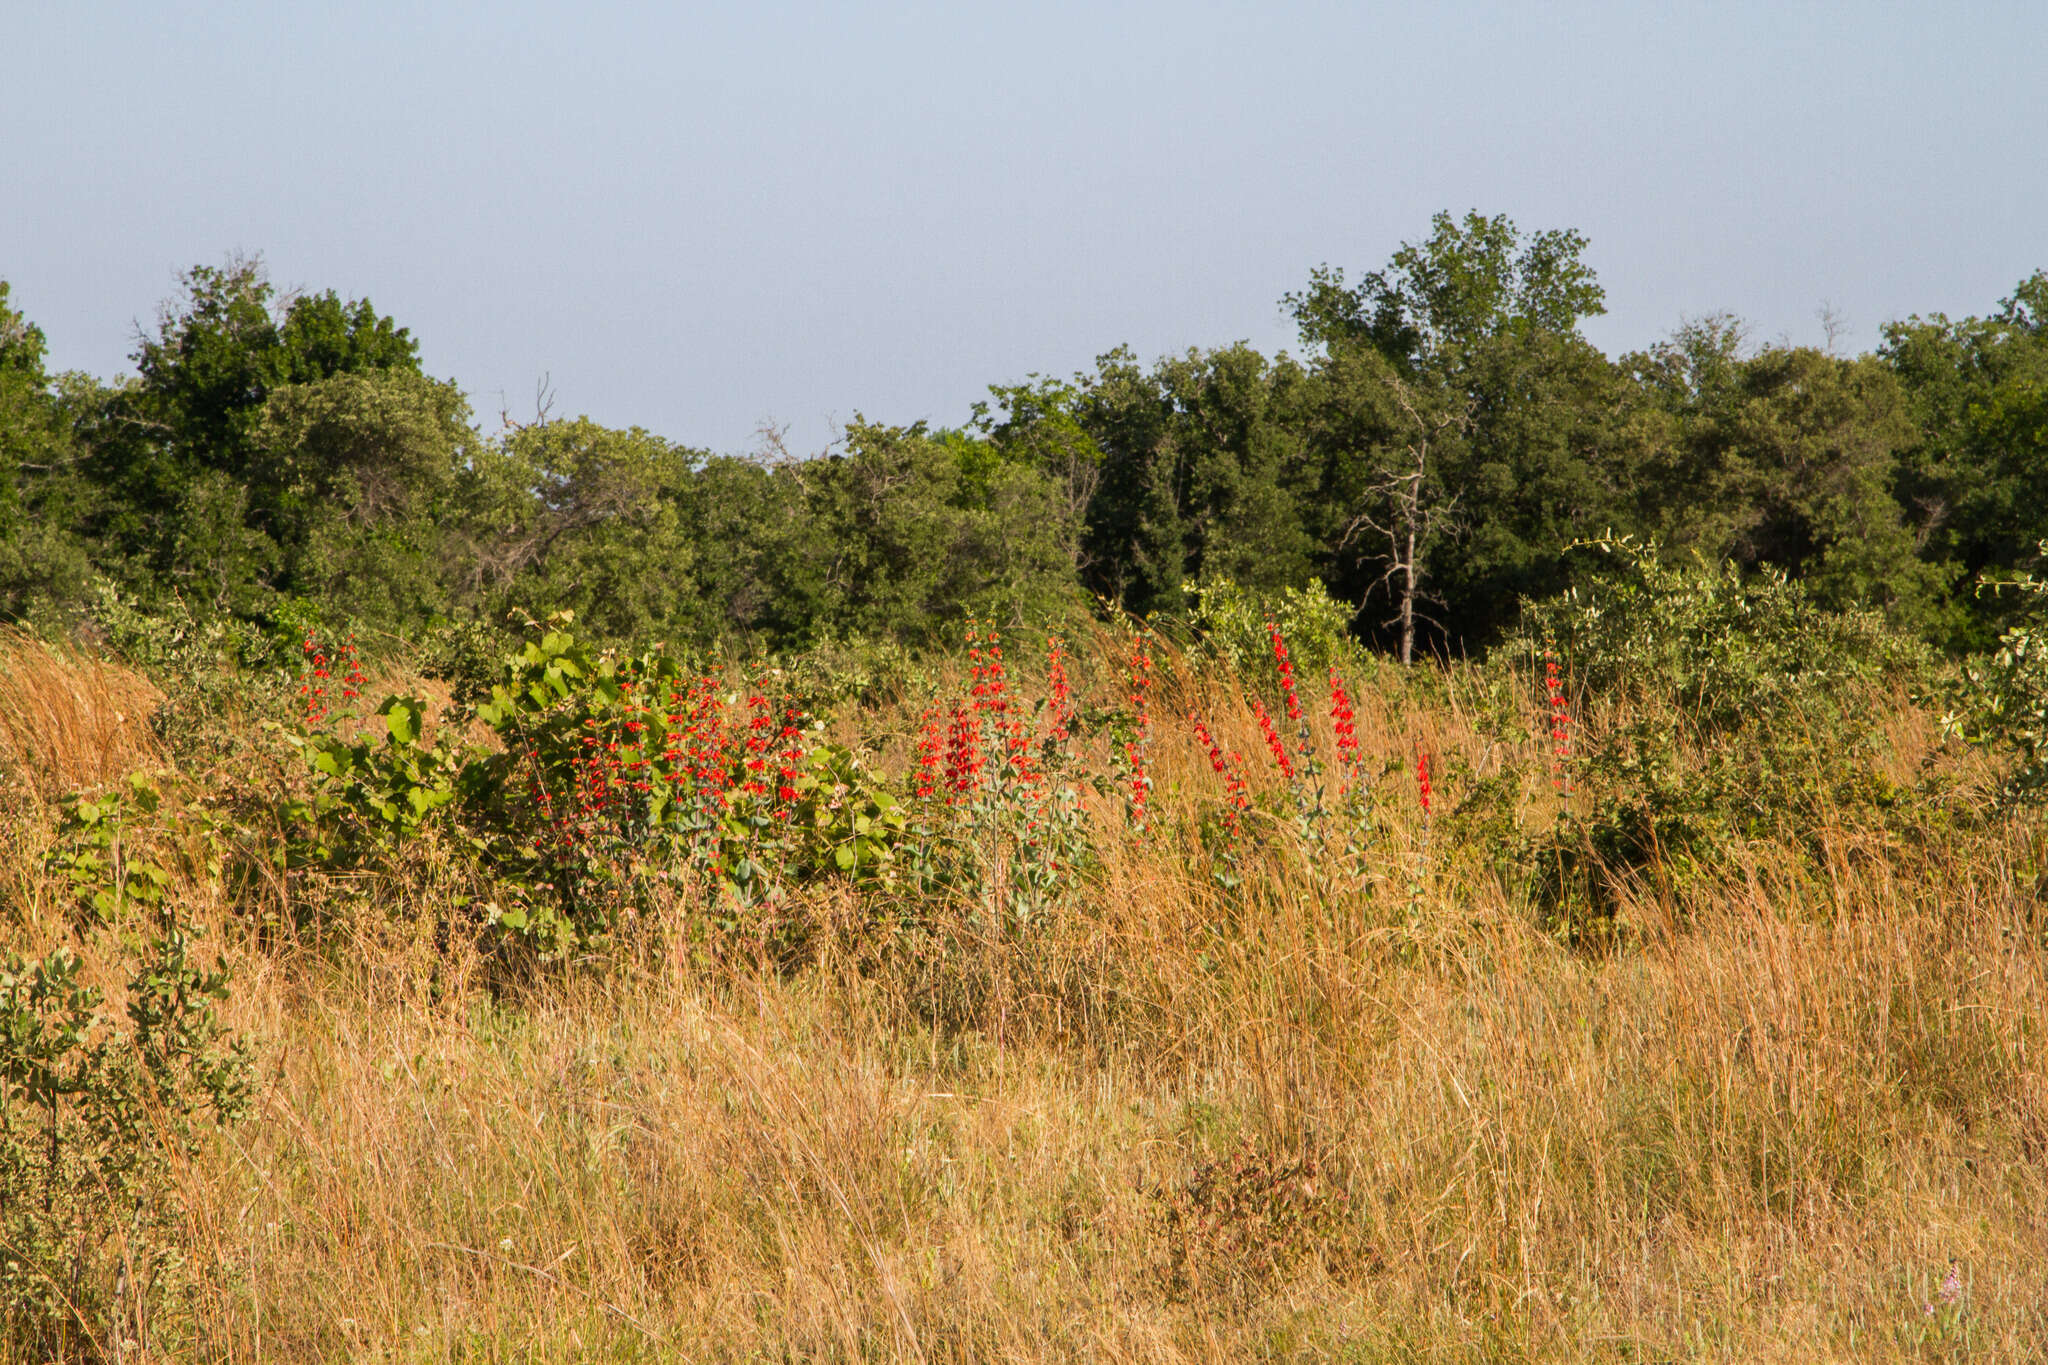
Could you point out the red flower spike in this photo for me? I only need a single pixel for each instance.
(1344, 723)
(1560, 722)
(1271, 733)
(1138, 751)
(964, 758)
(1062, 692)
(1237, 801)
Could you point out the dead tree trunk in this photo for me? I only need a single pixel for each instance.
(1407, 520)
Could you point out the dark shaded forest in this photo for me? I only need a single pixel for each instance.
(1442, 436)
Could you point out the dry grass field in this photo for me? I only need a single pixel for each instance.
(1788, 1104)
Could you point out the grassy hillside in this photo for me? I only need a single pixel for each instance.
(1698, 1016)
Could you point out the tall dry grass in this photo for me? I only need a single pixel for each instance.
(1311, 1121)
(69, 718)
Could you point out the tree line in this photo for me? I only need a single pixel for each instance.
(1443, 435)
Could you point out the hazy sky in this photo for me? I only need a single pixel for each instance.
(698, 219)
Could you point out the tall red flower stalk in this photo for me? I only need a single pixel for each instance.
(637, 725)
(699, 746)
(352, 681)
(1422, 787)
(1271, 732)
(789, 759)
(1237, 801)
(313, 681)
(675, 720)
(1017, 762)
(1061, 719)
(1560, 724)
(760, 739)
(964, 759)
(1344, 724)
(1138, 752)
(1288, 691)
(991, 692)
(593, 779)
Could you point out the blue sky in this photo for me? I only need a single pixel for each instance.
(700, 219)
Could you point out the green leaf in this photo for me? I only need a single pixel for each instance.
(402, 717)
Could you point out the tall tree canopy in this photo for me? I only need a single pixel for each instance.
(1444, 433)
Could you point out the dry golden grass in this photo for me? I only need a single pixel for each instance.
(1759, 1130)
(69, 719)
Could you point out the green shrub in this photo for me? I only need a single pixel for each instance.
(2002, 704)
(216, 673)
(96, 857)
(92, 1118)
(1731, 709)
(371, 795)
(1233, 621)
(1709, 645)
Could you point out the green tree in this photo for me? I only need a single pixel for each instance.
(907, 527)
(1973, 479)
(573, 514)
(1465, 428)
(1468, 283)
(187, 497)
(362, 470)
(1039, 424)
(1203, 469)
(44, 566)
(1787, 457)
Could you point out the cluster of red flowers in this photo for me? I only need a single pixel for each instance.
(1061, 718)
(1285, 664)
(693, 745)
(789, 758)
(1019, 766)
(760, 724)
(992, 701)
(1344, 722)
(1422, 787)
(313, 681)
(990, 686)
(984, 740)
(1560, 723)
(636, 725)
(964, 758)
(1281, 757)
(1237, 800)
(595, 773)
(352, 681)
(683, 742)
(1141, 730)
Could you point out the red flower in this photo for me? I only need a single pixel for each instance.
(1560, 722)
(789, 758)
(313, 681)
(1344, 722)
(1062, 692)
(963, 754)
(1138, 750)
(1286, 667)
(352, 682)
(1272, 737)
(1237, 799)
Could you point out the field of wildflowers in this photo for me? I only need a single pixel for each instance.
(1674, 992)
